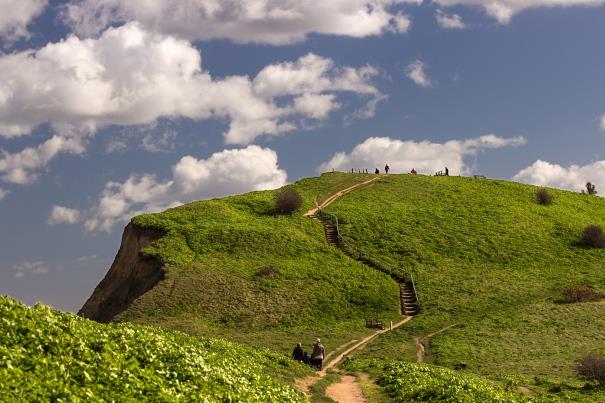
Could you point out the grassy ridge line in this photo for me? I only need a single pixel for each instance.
(477, 248)
(46, 355)
(214, 251)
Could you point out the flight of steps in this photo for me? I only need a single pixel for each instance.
(408, 301)
(409, 304)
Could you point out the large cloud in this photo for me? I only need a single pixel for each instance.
(574, 177)
(15, 15)
(224, 173)
(425, 156)
(129, 76)
(504, 10)
(261, 21)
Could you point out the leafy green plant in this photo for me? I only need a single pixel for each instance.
(47, 355)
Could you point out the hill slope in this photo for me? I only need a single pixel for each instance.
(490, 265)
(233, 268)
(46, 355)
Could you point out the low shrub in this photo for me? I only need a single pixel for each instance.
(544, 197)
(593, 237)
(267, 271)
(593, 367)
(582, 293)
(287, 201)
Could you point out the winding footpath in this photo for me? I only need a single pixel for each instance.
(347, 390)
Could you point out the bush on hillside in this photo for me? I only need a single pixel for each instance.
(593, 367)
(582, 293)
(544, 197)
(267, 271)
(287, 201)
(593, 237)
(591, 189)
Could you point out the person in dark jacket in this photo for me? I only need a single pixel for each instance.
(298, 354)
(376, 171)
(387, 169)
(317, 356)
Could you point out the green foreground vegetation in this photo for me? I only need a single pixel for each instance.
(47, 355)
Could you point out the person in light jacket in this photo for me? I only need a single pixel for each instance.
(317, 356)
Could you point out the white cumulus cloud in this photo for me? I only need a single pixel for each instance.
(22, 167)
(129, 76)
(28, 267)
(273, 22)
(449, 21)
(15, 16)
(573, 177)
(417, 74)
(60, 215)
(504, 10)
(223, 173)
(424, 156)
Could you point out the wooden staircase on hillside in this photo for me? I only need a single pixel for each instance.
(409, 305)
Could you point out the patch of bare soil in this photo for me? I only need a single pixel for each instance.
(346, 391)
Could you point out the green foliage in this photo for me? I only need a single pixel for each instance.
(46, 355)
(406, 382)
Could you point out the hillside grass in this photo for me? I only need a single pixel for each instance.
(486, 255)
(46, 355)
(216, 250)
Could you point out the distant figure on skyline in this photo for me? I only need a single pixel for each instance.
(447, 172)
(376, 171)
(386, 169)
(413, 171)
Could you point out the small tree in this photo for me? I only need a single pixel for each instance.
(544, 197)
(287, 201)
(593, 367)
(593, 237)
(591, 189)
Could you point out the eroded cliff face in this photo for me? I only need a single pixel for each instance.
(130, 276)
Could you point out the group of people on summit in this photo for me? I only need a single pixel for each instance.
(413, 171)
(316, 358)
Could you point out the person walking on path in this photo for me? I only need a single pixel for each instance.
(298, 354)
(386, 169)
(317, 356)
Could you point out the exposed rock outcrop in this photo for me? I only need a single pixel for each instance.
(131, 275)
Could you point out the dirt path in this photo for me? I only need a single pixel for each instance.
(346, 391)
(421, 342)
(336, 195)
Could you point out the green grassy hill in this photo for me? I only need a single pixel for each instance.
(237, 270)
(46, 355)
(489, 261)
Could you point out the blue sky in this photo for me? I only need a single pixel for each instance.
(108, 109)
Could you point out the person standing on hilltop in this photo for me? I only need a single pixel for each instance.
(447, 172)
(298, 354)
(386, 169)
(317, 356)
(376, 171)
